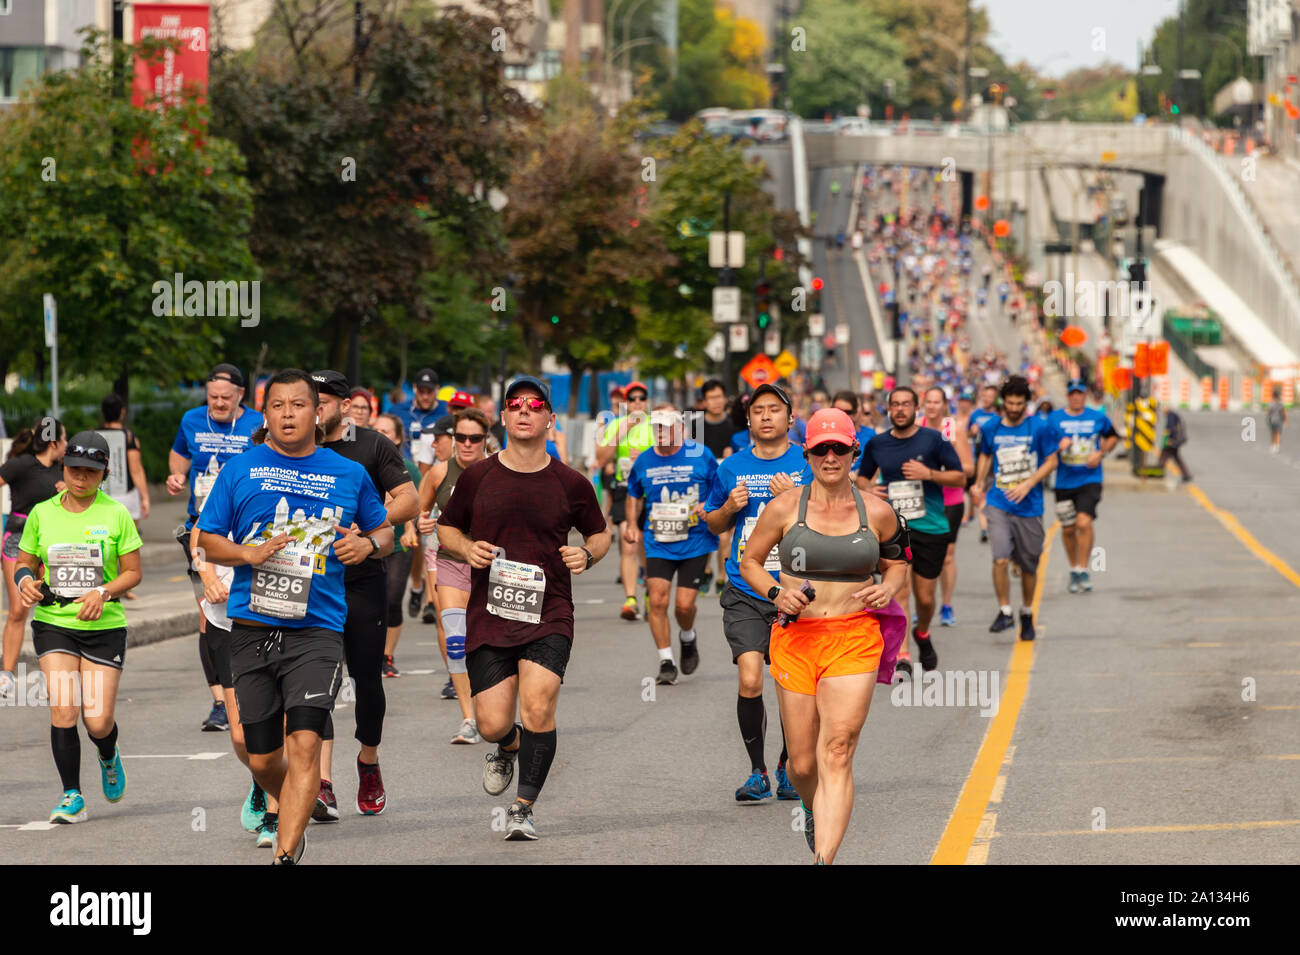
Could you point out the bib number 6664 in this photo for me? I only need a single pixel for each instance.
(513, 595)
(282, 583)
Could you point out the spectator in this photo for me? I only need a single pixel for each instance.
(136, 498)
(1175, 438)
(1276, 420)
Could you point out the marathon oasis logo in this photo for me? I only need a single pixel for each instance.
(75, 908)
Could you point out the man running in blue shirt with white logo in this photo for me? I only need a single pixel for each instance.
(1085, 437)
(672, 481)
(1019, 451)
(297, 514)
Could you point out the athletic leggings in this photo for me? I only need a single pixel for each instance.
(205, 658)
(399, 568)
(363, 648)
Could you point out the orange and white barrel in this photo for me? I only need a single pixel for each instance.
(1207, 393)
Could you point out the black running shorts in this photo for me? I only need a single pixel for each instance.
(690, 572)
(302, 668)
(488, 666)
(105, 647)
(747, 622)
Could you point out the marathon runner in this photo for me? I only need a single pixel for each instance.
(624, 439)
(33, 474)
(417, 415)
(916, 464)
(742, 488)
(828, 646)
(440, 440)
(366, 587)
(952, 428)
(715, 429)
(470, 428)
(510, 523)
(360, 408)
(852, 406)
(1019, 450)
(399, 562)
(295, 513)
(208, 437)
(673, 481)
(1086, 436)
(985, 414)
(136, 498)
(90, 551)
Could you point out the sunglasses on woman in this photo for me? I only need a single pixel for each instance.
(533, 404)
(469, 438)
(834, 447)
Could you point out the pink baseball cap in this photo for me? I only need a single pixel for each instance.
(829, 424)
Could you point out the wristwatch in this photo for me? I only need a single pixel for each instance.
(103, 592)
(590, 560)
(772, 593)
(375, 545)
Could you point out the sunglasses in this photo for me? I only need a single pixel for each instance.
(834, 447)
(533, 404)
(470, 438)
(636, 397)
(90, 454)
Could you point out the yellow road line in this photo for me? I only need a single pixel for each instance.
(972, 805)
(1135, 830)
(1228, 520)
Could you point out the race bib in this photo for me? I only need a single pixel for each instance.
(75, 569)
(1065, 512)
(516, 590)
(282, 584)
(1016, 463)
(668, 521)
(202, 488)
(908, 498)
(624, 466)
(1078, 452)
(773, 561)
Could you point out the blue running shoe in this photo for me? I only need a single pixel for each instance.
(1084, 582)
(946, 617)
(113, 776)
(250, 816)
(71, 808)
(1074, 582)
(783, 788)
(756, 787)
(217, 720)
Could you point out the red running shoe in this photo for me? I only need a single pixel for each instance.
(327, 807)
(371, 798)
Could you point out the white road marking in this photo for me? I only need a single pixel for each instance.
(417, 672)
(172, 755)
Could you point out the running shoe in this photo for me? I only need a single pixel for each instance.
(756, 787)
(428, 615)
(468, 734)
(449, 690)
(629, 610)
(690, 655)
(284, 858)
(783, 788)
(498, 771)
(1085, 582)
(984, 537)
(903, 668)
(1004, 621)
(929, 658)
(1026, 626)
(708, 579)
(808, 833)
(250, 816)
(667, 673)
(390, 667)
(723, 584)
(415, 602)
(946, 617)
(327, 806)
(216, 721)
(266, 832)
(519, 823)
(371, 798)
(71, 808)
(113, 777)
(7, 683)
(1074, 587)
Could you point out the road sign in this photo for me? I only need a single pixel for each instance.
(816, 325)
(841, 334)
(758, 370)
(1108, 155)
(716, 349)
(866, 360)
(730, 255)
(772, 342)
(739, 337)
(51, 309)
(785, 364)
(726, 304)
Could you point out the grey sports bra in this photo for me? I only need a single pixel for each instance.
(848, 557)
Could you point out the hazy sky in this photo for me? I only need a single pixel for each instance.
(1057, 36)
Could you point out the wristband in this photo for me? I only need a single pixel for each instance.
(21, 574)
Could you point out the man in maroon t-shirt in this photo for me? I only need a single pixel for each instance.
(509, 519)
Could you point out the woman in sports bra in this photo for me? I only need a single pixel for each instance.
(827, 654)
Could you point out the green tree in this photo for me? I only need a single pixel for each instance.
(849, 54)
(720, 62)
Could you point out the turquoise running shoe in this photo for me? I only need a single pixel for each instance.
(71, 808)
(113, 777)
(250, 816)
(266, 832)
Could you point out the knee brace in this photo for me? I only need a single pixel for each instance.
(453, 623)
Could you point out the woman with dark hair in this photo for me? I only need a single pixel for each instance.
(33, 474)
(136, 499)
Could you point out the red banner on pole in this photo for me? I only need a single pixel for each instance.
(186, 67)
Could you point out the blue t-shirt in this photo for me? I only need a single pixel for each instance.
(684, 477)
(920, 502)
(416, 422)
(1085, 431)
(979, 418)
(864, 435)
(1017, 453)
(756, 473)
(201, 439)
(262, 493)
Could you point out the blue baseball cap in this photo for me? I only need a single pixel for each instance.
(528, 381)
(1076, 384)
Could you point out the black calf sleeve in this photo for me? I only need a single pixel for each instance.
(106, 746)
(536, 751)
(751, 714)
(66, 745)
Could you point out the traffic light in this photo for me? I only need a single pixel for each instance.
(555, 319)
(817, 284)
(1173, 109)
(763, 304)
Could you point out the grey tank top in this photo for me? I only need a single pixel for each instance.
(846, 558)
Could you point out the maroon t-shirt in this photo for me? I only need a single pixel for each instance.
(529, 515)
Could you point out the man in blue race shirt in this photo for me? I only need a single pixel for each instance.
(296, 513)
(985, 414)
(208, 437)
(1085, 437)
(422, 411)
(745, 482)
(673, 481)
(1019, 451)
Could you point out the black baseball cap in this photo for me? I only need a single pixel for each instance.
(227, 372)
(86, 449)
(426, 378)
(331, 383)
(770, 389)
(528, 381)
(444, 426)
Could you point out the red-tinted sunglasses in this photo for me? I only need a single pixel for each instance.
(533, 404)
